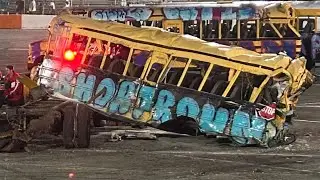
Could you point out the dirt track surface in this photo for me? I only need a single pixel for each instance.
(166, 158)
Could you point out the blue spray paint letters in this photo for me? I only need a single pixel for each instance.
(183, 13)
(146, 95)
(207, 117)
(84, 85)
(188, 107)
(240, 125)
(206, 14)
(65, 77)
(221, 120)
(138, 14)
(211, 120)
(110, 90)
(122, 102)
(162, 108)
(258, 127)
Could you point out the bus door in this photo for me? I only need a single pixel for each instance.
(173, 26)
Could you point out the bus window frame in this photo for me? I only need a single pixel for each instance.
(257, 91)
(183, 54)
(176, 23)
(85, 53)
(147, 68)
(126, 67)
(231, 83)
(184, 72)
(205, 77)
(103, 62)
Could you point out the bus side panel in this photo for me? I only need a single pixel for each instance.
(128, 99)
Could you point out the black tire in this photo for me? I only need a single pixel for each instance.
(289, 139)
(68, 127)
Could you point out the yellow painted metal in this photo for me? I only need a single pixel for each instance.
(128, 62)
(165, 69)
(105, 55)
(255, 94)
(86, 50)
(276, 30)
(258, 29)
(231, 83)
(184, 73)
(26, 81)
(173, 23)
(205, 77)
(294, 30)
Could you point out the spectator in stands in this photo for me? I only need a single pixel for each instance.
(19, 6)
(52, 7)
(33, 7)
(67, 4)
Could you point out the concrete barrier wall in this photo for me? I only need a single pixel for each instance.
(36, 21)
(10, 21)
(25, 21)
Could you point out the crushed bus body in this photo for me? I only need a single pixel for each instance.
(144, 75)
(148, 76)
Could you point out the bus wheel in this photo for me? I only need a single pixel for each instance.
(76, 127)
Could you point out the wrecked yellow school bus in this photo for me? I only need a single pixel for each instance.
(145, 75)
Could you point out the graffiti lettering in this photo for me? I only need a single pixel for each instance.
(122, 102)
(132, 100)
(183, 13)
(138, 14)
(65, 76)
(146, 95)
(84, 89)
(110, 87)
(165, 101)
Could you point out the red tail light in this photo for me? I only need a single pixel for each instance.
(69, 55)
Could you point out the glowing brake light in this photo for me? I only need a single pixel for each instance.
(69, 55)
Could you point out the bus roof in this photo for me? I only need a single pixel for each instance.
(175, 41)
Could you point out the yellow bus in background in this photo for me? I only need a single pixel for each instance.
(261, 26)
